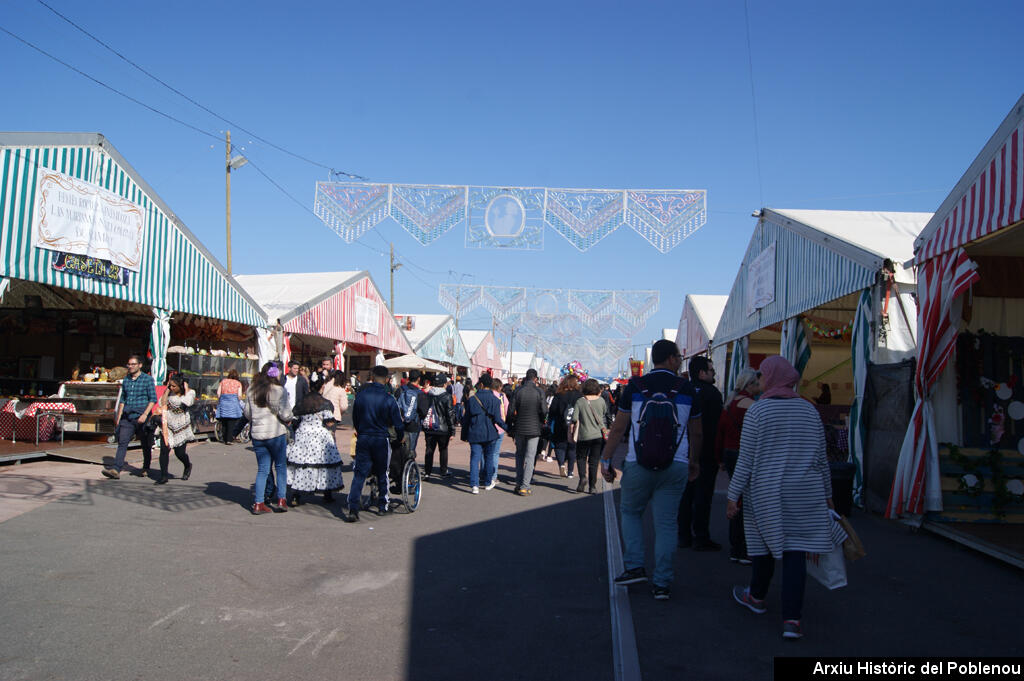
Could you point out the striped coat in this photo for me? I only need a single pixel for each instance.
(784, 479)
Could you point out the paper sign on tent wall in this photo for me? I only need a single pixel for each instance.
(367, 316)
(79, 217)
(761, 280)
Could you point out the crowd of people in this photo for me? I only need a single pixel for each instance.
(678, 428)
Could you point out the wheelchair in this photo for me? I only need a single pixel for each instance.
(404, 476)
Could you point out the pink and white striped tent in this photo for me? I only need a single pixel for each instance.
(483, 352)
(987, 200)
(343, 307)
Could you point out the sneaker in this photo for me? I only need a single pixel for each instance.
(742, 561)
(351, 517)
(570, 476)
(742, 596)
(111, 473)
(661, 593)
(476, 490)
(706, 545)
(631, 576)
(791, 629)
(563, 470)
(491, 484)
(524, 492)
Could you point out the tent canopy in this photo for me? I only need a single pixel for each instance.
(436, 337)
(174, 270)
(518, 360)
(989, 196)
(698, 322)
(820, 256)
(341, 306)
(408, 362)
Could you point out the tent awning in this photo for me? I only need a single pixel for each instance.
(989, 196)
(819, 256)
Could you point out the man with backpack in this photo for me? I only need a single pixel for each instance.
(437, 418)
(661, 411)
(409, 397)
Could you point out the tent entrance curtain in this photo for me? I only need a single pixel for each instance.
(159, 340)
(739, 362)
(265, 346)
(941, 284)
(860, 341)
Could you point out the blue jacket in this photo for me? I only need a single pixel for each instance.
(374, 410)
(483, 410)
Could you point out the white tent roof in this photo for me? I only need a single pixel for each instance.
(426, 326)
(520, 362)
(281, 295)
(698, 322)
(885, 235)
(820, 256)
(472, 339)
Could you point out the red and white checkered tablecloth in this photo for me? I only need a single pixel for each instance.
(21, 424)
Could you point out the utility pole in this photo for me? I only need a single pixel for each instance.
(394, 266)
(227, 174)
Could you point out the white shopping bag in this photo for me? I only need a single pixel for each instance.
(828, 568)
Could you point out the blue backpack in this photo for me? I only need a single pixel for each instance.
(659, 431)
(407, 403)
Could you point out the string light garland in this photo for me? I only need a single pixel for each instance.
(830, 333)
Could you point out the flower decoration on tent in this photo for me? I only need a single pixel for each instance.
(833, 333)
(574, 368)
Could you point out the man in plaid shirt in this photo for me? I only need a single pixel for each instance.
(138, 397)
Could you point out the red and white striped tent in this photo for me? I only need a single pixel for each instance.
(329, 312)
(980, 218)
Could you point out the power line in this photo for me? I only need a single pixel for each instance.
(198, 104)
(753, 105)
(111, 88)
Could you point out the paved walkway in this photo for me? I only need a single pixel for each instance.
(126, 580)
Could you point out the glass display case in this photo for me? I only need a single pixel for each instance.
(204, 372)
(95, 406)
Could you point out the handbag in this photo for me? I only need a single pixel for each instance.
(853, 547)
(828, 568)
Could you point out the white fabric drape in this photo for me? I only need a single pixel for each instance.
(159, 340)
(861, 343)
(265, 345)
(339, 355)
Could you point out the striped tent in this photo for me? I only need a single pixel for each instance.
(794, 345)
(988, 198)
(176, 272)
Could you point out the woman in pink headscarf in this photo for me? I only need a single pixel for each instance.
(783, 477)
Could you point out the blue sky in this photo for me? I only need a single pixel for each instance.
(860, 106)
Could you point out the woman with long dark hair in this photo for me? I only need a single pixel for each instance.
(268, 412)
(176, 429)
(560, 414)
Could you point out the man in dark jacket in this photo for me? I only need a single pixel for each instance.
(526, 413)
(437, 418)
(408, 403)
(695, 506)
(373, 412)
(482, 414)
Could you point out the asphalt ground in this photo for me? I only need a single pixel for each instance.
(122, 579)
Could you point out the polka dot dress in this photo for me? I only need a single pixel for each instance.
(314, 464)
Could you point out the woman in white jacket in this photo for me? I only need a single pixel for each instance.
(268, 412)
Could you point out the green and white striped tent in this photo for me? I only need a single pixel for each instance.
(823, 268)
(176, 273)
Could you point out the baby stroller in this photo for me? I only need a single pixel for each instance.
(404, 476)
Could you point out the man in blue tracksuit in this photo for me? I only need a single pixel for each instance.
(373, 412)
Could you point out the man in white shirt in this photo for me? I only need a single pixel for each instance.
(295, 385)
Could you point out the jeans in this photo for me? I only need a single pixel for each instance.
(695, 506)
(127, 428)
(588, 455)
(373, 456)
(794, 576)
(526, 451)
(411, 438)
(566, 453)
(482, 455)
(274, 450)
(737, 540)
(495, 455)
(435, 441)
(662, 489)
